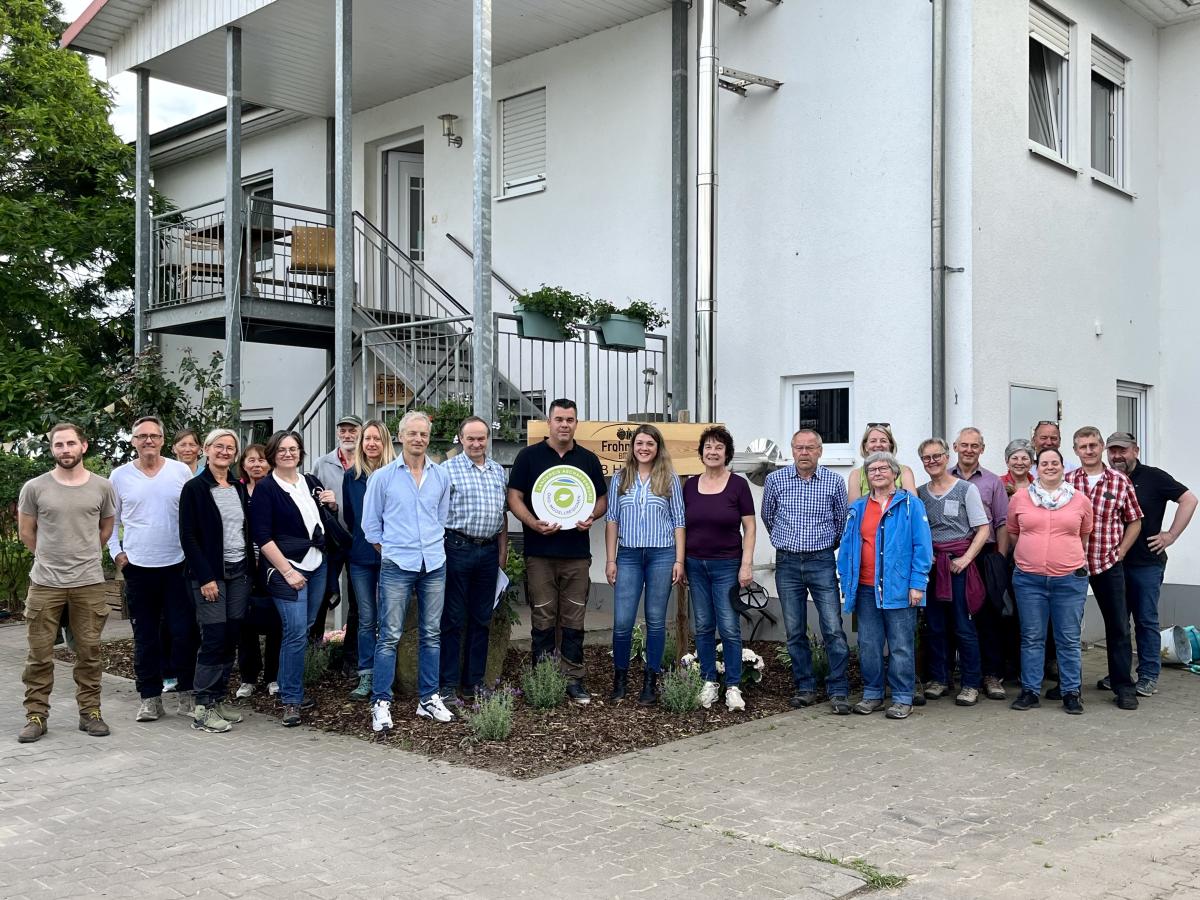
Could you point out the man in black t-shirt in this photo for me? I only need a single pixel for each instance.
(557, 557)
(1147, 559)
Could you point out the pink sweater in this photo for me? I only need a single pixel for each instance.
(1049, 541)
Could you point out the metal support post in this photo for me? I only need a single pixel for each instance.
(232, 245)
(481, 212)
(143, 226)
(707, 67)
(343, 221)
(679, 206)
(937, 263)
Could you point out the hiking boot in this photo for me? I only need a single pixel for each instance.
(840, 705)
(187, 703)
(228, 712)
(91, 722)
(291, 715)
(450, 696)
(865, 707)
(1026, 700)
(1071, 704)
(577, 693)
(733, 699)
(1104, 684)
(649, 694)
(1146, 687)
(245, 689)
(151, 710)
(1126, 700)
(432, 708)
(381, 716)
(35, 727)
(363, 690)
(208, 719)
(801, 699)
(968, 696)
(994, 688)
(899, 711)
(709, 694)
(1054, 693)
(935, 690)
(918, 694)
(621, 686)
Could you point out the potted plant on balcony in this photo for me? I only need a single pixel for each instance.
(625, 329)
(551, 313)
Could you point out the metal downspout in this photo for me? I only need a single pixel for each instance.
(680, 312)
(937, 265)
(707, 70)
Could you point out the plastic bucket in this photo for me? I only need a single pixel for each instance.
(1194, 637)
(1176, 648)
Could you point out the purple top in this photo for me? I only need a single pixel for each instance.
(992, 492)
(714, 521)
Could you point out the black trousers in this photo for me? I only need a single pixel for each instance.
(262, 621)
(1109, 588)
(161, 603)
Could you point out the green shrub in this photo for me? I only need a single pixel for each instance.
(544, 685)
(681, 689)
(491, 716)
(317, 662)
(820, 659)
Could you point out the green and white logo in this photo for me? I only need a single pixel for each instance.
(563, 494)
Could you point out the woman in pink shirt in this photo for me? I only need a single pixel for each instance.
(1050, 523)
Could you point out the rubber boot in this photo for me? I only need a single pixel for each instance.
(649, 695)
(620, 685)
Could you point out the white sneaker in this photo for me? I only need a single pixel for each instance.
(709, 694)
(273, 688)
(170, 685)
(434, 708)
(381, 715)
(734, 701)
(245, 689)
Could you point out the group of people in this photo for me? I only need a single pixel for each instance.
(243, 545)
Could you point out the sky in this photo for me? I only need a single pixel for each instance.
(170, 104)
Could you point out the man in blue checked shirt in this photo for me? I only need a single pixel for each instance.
(804, 508)
(476, 547)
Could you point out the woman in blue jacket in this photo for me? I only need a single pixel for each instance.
(883, 564)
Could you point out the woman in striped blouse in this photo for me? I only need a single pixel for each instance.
(644, 540)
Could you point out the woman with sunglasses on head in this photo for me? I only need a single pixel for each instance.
(262, 619)
(286, 524)
(644, 537)
(878, 438)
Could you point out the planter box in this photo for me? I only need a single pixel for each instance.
(618, 332)
(538, 327)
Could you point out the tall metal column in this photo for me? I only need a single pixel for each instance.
(343, 215)
(483, 381)
(937, 264)
(143, 224)
(679, 207)
(707, 70)
(234, 223)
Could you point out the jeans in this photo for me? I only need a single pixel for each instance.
(1142, 587)
(1058, 599)
(255, 664)
(159, 599)
(365, 583)
(395, 590)
(471, 575)
(796, 576)
(709, 583)
(896, 627)
(220, 623)
(1109, 588)
(297, 612)
(949, 622)
(638, 568)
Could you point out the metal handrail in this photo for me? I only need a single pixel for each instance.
(176, 212)
(503, 282)
(391, 246)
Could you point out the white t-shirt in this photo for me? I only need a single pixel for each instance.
(147, 519)
(309, 513)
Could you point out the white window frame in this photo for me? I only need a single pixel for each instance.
(833, 453)
(1053, 32)
(527, 182)
(1140, 395)
(1109, 66)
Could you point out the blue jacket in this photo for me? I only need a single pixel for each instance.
(903, 552)
(354, 492)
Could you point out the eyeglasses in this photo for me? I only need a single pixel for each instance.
(879, 424)
(147, 437)
(933, 457)
(879, 470)
(288, 451)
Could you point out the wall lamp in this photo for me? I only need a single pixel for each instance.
(452, 139)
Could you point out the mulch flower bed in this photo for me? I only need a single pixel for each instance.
(542, 741)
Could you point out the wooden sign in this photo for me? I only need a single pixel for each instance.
(611, 442)
(391, 391)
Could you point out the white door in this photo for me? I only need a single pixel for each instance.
(404, 177)
(1027, 406)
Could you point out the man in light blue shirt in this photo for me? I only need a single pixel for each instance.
(404, 516)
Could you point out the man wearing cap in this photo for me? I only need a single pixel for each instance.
(330, 470)
(1146, 560)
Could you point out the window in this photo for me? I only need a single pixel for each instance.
(257, 425)
(1133, 414)
(824, 404)
(1108, 101)
(1049, 50)
(523, 144)
(258, 193)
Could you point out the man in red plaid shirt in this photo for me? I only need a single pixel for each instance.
(1118, 522)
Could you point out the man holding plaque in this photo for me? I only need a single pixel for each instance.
(557, 490)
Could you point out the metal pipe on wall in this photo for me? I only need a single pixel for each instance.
(680, 314)
(937, 265)
(707, 70)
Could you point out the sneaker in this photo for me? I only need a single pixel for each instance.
(363, 690)
(899, 711)
(208, 719)
(709, 694)
(187, 703)
(1054, 693)
(35, 727)
(228, 712)
(245, 689)
(307, 703)
(434, 708)
(840, 705)
(91, 722)
(272, 688)
(733, 699)
(935, 690)
(968, 696)
(1146, 687)
(577, 693)
(381, 716)
(170, 685)
(151, 710)
(1071, 704)
(1026, 700)
(1104, 684)
(865, 707)
(291, 716)
(801, 699)
(994, 688)
(1127, 700)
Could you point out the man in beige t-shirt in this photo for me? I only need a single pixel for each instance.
(65, 517)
